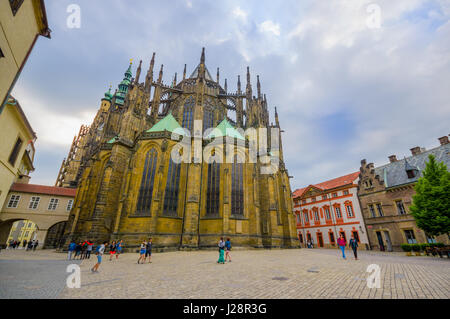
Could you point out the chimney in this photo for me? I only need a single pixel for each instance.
(443, 140)
(416, 150)
(393, 158)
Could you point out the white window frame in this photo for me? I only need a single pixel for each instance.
(34, 202)
(338, 212)
(350, 211)
(53, 203)
(69, 205)
(13, 201)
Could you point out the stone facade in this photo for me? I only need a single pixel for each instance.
(129, 187)
(385, 195)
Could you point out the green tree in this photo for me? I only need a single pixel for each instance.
(431, 203)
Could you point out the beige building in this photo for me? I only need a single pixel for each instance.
(385, 193)
(22, 231)
(48, 207)
(16, 147)
(21, 23)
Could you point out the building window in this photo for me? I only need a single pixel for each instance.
(146, 188)
(237, 188)
(13, 201)
(304, 201)
(324, 197)
(430, 239)
(334, 195)
(208, 118)
(345, 192)
(338, 212)
(34, 202)
(327, 213)
(305, 215)
(372, 211)
(172, 189)
(15, 5)
(410, 238)
(368, 183)
(69, 204)
(26, 233)
(53, 203)
(298, 219)
(331, 235)
(15, 151)
(380, 210)
(400, 208)
(188, 113)
(313, 200)
(350, 211)
(213, 191)
(316, 216)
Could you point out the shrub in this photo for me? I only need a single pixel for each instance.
(439, 245)
(424, 247)
(415, 247)
(406, 247)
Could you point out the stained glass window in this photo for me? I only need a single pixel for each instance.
(148, 177)
(237, 188)
(213, 191)
(172, 188)
(188, 113)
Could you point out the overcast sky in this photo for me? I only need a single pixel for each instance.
(345, 89)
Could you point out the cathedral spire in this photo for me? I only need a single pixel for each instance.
(277, 123)
(217, 75)
(225, 86)
(239, 84)
(175, 79)
(184, 72)
(138, 72)
(249, 86)
(202, 67)
(258, 86)
(149, 77)
(160, 74)
(202, 58)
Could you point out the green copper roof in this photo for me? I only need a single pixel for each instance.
(115, 138)
(168, 123)
(108, 95)
(225, 129)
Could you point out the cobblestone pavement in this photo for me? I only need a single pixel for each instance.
(295, 273)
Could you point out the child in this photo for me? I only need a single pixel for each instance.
(142, 252)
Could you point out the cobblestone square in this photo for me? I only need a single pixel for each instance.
(293, 273)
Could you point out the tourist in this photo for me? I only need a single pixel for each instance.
(36, 243)
(119, 248)
(221, 251)
(353, 244)
(342, 243)
(30, 245)
(148, 250)
(142, 251)
(112, 250)
(99, 253)
(227, 249)
(18, 244)
(78, 250)
(24, 244)
(71, 249)
(89, 245)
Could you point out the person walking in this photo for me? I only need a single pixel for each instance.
(342, 243)
(112, 250)
(119, 248)
(29, 245)
(99, 253)
(148, 250)
(36, 243)
(227, 249)
(71, 249)
(89, 245)
(221, 251)
(142, 251)
(24, 244)
(353, 244)
(78, 250)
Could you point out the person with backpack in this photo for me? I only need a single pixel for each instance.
(342, 243)
(221, 251)
(142, 251)
(227, 249)
(99, 252)
(353, 244)
(71, 249)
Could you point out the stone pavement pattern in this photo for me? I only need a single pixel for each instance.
(293, 273)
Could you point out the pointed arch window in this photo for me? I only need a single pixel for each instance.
(148, 178)
(208, 118)
(237, 188)
(172, 189)
(188, 113)
(213, 191)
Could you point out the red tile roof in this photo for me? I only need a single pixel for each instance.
(42, 189)
(332, 183)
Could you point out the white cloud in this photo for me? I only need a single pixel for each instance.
(270, 27)
(240, 14)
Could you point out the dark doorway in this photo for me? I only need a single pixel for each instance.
(320, 239)
(380, 241)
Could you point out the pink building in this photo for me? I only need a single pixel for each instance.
(326, 210)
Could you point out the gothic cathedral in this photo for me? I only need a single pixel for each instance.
(130, 187)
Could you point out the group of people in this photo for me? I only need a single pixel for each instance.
(353, 244)
(224, 250)
(145, 251)
(27, 245)
(82, 250)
